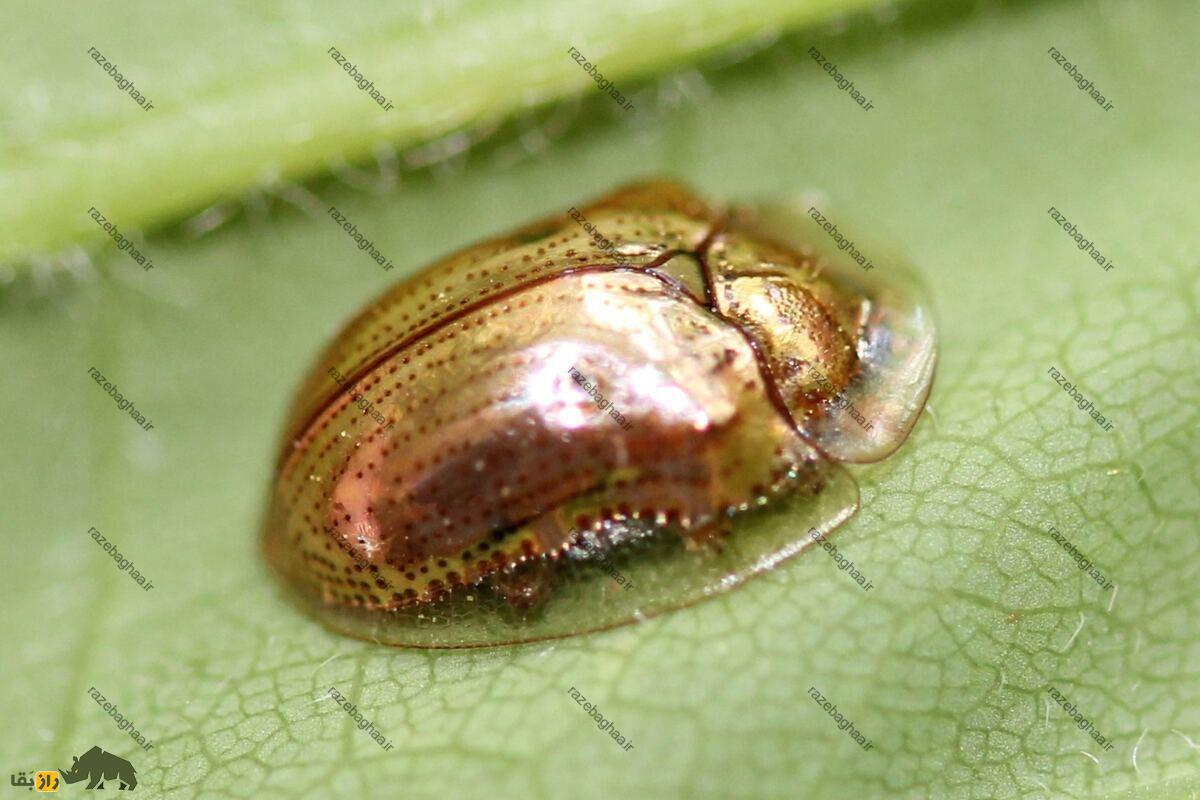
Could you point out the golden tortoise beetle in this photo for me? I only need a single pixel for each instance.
(602, 416)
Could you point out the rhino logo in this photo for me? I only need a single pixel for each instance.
(98, 766)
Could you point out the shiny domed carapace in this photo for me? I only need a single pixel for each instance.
(597, 418)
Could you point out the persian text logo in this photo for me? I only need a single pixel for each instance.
(44, 781)
(96, 766)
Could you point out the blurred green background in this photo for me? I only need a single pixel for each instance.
(945, 665)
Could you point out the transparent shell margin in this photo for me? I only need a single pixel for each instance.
(635, 581)
(869, 419)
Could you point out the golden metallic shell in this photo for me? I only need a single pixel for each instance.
(600, 417)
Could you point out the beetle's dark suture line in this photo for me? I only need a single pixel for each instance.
(701, 253)
(774, 394)
(292, 449)
(764, 369)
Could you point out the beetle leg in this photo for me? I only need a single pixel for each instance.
(525, 587)
(708, 536)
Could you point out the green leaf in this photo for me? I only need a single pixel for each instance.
(249, 97)
(976, 612)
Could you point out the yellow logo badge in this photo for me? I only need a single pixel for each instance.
(46, 781)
